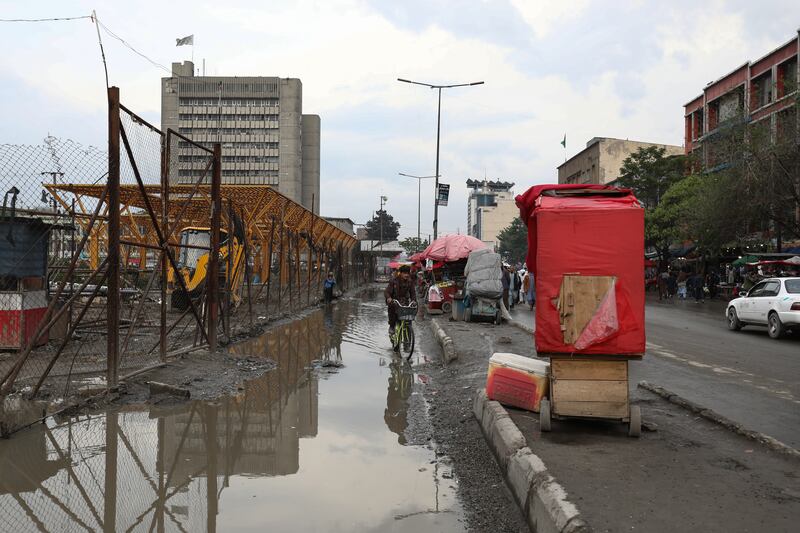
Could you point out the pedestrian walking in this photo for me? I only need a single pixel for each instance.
(506, 284)
(683, 276)
(328, 285)
(663, 278)
(672, 284)
(516, 283)
(530, 289)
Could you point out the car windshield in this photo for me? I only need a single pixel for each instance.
(792, 286)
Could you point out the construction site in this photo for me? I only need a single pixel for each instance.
(113, 264)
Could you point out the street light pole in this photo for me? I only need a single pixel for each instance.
(419, 203)
(380, 221)
(438, 135)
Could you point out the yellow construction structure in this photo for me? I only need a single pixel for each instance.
(268, 217)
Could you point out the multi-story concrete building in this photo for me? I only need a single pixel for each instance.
(343, 223)
(266, 139)
(601, 160)
(490, 209)
(758, 92)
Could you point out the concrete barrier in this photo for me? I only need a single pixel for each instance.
(542, 500)
(448, 348)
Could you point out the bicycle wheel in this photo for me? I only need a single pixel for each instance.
(408, 340)
(395, 337)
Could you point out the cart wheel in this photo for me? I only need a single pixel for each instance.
(635, 424)
(544, 414)
(447, 307)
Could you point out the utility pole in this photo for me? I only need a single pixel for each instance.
(384, 199)
(438, 134)
(419, 196)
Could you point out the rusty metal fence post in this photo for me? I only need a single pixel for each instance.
(112, 278)
(212, 279)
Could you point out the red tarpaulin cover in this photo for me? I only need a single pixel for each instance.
(452, 248)
(590, 235)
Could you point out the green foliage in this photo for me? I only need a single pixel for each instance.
(391, 229)
(413, 245)
(514, 242)
(649, 173)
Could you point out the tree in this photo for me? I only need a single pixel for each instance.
(391, 229)
(413, 245)
(649, 173)
(753, 180)
(514, 242)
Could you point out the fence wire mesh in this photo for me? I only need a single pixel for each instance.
(56, 310)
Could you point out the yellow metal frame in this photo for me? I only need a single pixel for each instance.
(258, 206)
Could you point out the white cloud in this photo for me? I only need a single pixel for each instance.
(542, 16)
(348, 56)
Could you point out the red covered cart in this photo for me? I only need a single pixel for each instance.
(585, 248)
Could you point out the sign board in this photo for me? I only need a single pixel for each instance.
(443, 194)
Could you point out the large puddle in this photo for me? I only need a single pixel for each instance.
(311, 446)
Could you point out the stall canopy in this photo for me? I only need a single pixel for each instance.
(452, 248)
(792, 261)
(746, 259)
(400, 260)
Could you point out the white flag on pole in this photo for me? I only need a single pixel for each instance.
(185, 40)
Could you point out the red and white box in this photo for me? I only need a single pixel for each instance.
(20, 315)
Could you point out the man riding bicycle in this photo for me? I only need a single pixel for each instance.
(400, 290)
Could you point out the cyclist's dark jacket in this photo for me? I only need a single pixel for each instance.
(400, 290)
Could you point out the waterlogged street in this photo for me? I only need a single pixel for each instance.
(333, 439)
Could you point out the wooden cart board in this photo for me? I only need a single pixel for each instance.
(590, 387)
(596, 388)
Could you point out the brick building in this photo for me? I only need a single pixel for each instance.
(758, 92)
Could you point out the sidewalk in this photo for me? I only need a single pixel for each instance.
(688, 474)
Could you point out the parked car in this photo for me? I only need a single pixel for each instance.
(773, 302)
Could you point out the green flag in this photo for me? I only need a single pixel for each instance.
(564, 142)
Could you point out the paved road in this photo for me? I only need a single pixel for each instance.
(745, 376)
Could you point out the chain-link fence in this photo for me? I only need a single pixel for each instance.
(106, 265)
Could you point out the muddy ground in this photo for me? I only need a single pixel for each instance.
(488, 503)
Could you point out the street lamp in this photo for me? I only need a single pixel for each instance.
(384, 199)
(438, 130)
(419, 196)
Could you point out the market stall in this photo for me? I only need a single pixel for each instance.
(445, 259)
(585, 248)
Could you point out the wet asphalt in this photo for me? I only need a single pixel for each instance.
(745, 376)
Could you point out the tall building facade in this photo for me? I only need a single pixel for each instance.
(760, 92)
(490, 209)
(266, 139)
(601, 160)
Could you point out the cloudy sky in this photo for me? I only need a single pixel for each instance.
(617, 69)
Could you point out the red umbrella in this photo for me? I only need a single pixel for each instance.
(452, 248)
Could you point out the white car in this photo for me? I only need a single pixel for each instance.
(773, 302)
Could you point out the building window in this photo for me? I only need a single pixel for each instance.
(762, 90)
(787, 78)
(698, 125)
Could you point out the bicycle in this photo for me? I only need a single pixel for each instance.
(403, 336)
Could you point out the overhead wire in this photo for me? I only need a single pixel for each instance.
(47, 19)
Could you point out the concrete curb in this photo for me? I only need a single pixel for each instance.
(770, 442)
(523, 327)
(542, 500)
(448, 348)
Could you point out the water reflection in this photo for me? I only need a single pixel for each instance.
(236, 462)
(401, 381)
